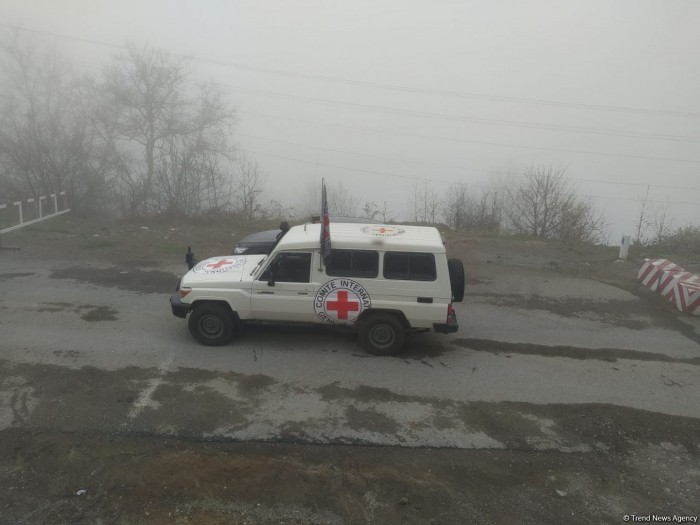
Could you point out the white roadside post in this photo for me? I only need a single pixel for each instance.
(19, 203)
(624, 246)
(40, 207)
(2, 207)
(55, 203)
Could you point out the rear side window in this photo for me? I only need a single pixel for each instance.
(409, 266)
(353, 263)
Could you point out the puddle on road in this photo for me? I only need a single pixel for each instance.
(635, 314)
(99, 313)
(134, 280)
(8, 276)
(87, 312)
(610, 355)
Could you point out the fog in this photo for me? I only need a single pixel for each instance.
(443, 91)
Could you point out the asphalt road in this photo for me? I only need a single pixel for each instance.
(542, 362)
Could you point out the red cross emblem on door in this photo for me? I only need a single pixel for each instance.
(343, 305)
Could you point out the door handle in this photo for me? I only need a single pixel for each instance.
(303, 293)
(267, 293)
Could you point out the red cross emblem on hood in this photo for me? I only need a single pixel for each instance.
(219, 264)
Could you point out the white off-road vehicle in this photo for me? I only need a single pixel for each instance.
(385, 279)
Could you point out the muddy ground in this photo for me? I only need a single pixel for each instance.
(138, 479)
(569, 395)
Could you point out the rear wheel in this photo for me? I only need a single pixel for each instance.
(382, 334)
(456, 271)
(211, 324)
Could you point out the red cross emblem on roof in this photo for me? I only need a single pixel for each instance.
(382, 230)
(342, 305)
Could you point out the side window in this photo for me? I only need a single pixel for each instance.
(289, 267)
(353, 263)
(409, 266)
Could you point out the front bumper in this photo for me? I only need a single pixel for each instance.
(447, 328)
(179, 308)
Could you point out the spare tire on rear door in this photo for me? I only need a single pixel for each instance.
(456, 270)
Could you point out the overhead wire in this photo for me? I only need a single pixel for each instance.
(489, 143)
(453, 166)
(426, 178)
(429, 115)
(433, 163)
(386, 86)
(429, 179)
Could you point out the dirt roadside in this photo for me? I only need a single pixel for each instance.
(131, 479)
(154, 243)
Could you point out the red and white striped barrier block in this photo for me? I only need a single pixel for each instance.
(680, 287)
(686, 296)
(652, 271)
(669, 279)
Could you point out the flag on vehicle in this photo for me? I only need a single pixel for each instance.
(325, 226)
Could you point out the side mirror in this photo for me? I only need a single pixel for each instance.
(271, 282)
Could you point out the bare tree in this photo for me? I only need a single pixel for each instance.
(643, 220)
(544, 204)
(176, 135)
(456, 204)
(684, 240)
(341, 202)
(581, 222)
(539, 200)
(249, 185)
(476, 211)
(274, 210)
(386, 215)
(47, 142)
(370, 210)
(425, 203)
(662, 223)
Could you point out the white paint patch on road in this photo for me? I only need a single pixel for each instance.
(16, 402)
(144, 400)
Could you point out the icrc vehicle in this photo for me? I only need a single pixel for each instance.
(386, 280)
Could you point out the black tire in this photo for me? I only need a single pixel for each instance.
(456, 271)
(382, 334)
(211, 324)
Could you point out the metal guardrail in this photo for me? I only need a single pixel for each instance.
(42, 217)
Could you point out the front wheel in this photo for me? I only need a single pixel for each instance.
(382, 334)
(211, 325)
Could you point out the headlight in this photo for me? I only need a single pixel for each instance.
(240, 249)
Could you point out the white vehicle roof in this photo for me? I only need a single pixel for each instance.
(393, 237)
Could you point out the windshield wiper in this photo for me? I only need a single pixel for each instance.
(259, 263)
